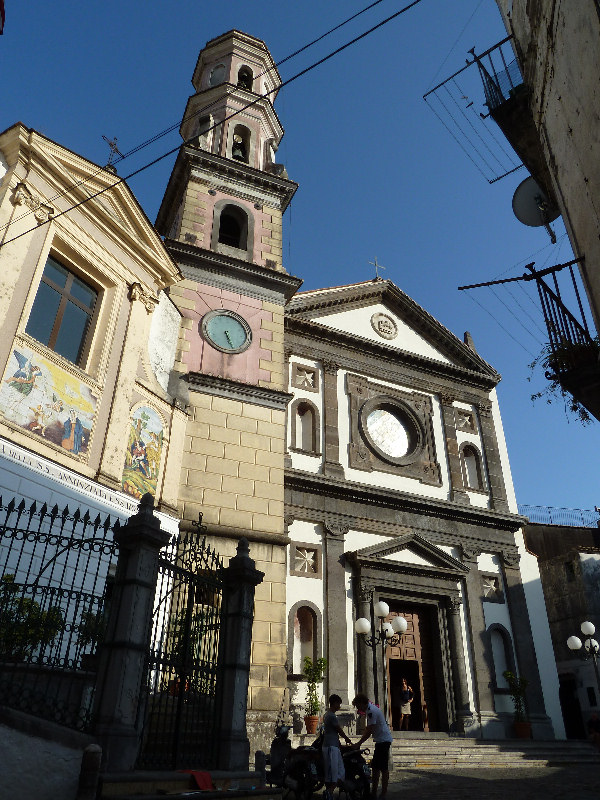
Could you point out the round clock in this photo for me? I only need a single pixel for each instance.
(226, 331)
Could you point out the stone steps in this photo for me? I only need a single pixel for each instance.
(439, 751)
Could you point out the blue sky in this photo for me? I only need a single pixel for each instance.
(379, 174)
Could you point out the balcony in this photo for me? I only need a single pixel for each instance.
(572, 356)
(472, 117)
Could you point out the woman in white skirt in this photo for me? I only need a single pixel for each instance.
(406, 698)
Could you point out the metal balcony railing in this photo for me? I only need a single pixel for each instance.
(569, 517)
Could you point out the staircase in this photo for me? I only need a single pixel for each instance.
(438, 750)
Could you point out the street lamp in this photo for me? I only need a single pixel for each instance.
(381, 633)
(590, 647)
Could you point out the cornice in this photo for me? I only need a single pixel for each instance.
(198, 258)
(311, 340)
(219, 166)
(329, 487)
(359, 295)
(235, 390)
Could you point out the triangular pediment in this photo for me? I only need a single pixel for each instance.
(382, 314)
(406, 552)
(79, 187)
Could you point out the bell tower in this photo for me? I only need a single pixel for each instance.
(221, 216)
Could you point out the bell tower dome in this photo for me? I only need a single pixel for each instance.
(231, 133)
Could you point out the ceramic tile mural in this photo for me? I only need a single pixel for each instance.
(142, 458)
(46, 400)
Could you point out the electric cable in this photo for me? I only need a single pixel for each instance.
(204, 110)
(508, 333)
(230, 116)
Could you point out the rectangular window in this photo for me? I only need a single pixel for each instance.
(62, 311)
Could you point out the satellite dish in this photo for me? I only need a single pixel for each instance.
(531, 206)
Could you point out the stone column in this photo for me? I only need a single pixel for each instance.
(497, 488)
(482, 662)
(366, 682)
(331, 444)
(457, 488)
(335, 609)
(524, 648)
(240, 579)
(121, 670)
(459, 671)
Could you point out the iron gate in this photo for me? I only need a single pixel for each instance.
(55, 571)
(181, 722)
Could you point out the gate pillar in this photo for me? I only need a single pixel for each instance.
(240, 579)
(123, 654)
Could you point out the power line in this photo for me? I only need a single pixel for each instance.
(198, 112)
(230, 116)
(506, 331)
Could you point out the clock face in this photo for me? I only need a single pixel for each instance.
(388, 433)
(226, 331)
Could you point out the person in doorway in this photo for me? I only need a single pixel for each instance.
(406, 698)
(378, 728)
(332, 756)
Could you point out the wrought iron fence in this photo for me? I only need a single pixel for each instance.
(55, 569)
(182, 683)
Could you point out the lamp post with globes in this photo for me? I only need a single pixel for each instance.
(590, 646)
(381, 633)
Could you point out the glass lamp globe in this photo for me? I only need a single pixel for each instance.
(381, 609)
(388, 630)
(588, 629)
(399, 624)
(362, 625)
(592, 646)
(574, 643)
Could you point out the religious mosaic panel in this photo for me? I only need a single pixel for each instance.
(144, 448)
(48, 401)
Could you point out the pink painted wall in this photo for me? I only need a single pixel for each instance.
(201, 357)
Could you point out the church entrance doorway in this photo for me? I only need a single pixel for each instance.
(414, 658)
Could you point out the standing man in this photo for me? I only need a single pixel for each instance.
(332, 756)
(382, 736)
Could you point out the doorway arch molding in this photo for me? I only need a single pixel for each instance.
(409, 570)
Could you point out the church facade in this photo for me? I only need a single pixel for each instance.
(398, 490)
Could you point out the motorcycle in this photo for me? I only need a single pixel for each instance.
(300, 771)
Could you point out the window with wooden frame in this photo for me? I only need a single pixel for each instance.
(62, 312)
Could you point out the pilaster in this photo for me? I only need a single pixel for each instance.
(335, 608)
(331, 446)
(497, 487)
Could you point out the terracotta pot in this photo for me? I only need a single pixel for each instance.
(522, 730)
(311, 723)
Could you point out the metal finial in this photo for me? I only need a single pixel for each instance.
(114, 151)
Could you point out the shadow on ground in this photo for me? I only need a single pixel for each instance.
(541, 783)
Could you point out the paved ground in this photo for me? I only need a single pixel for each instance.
(547, 783)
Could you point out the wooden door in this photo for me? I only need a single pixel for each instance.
(412, 658)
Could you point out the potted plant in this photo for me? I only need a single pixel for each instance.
(560, 363)
(25, 626)
(314, 672)
(516, 687)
